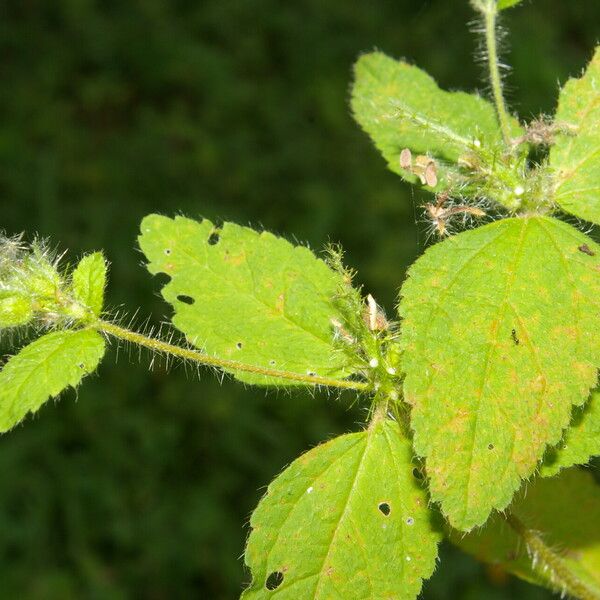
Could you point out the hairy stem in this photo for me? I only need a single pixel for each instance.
(432, 125)
(489, 12)
(202, 358)
(548, 559)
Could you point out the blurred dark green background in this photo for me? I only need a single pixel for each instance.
(140, 485)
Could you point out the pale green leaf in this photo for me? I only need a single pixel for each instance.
(565, 513)
(581, 441)
(575, 158)
(43, 369)
(89, 279)
(346, 520)
(500, 341)
(400, 106)
(247, 296)
(504, 4)
(15, 309)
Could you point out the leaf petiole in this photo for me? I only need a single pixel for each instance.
(202, 358)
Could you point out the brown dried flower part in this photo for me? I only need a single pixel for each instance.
(423, 167)
(426, 170)
(439, 213)
(374, 317)
(543, 132)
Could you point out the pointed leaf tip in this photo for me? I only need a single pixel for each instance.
(500, 342)
(345, 520)
(43, 369)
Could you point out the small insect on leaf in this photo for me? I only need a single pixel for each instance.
(406, 159)
(430, 175)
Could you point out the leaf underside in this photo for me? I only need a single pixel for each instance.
(565, 510)
(247, 296)
(43, 369)
(345, 520)
(581, 441)
(400, 106)
(575, 158)
(500, 341)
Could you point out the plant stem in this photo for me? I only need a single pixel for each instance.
(564, 577)
(202, 358)
(490, 13)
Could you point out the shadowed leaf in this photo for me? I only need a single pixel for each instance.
(551, 509)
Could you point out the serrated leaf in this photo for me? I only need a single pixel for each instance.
(564, 511)
(504, 4)
(43, 369)
(345, 520)
(89, 279)
(581, 441)
(500, 341)
(575, 158)
(400, 106)
(247, 296)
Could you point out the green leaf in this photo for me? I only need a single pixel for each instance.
(345, 520)
(15, 309)
(500, 340)
(43, 369)
(575, 158)
(400, 106)
(89, 279)
(247, 296)
(564, 512)
(581, 441)
(504, 4)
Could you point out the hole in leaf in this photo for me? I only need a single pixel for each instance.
(239, 345)
(311, 373)
(417, 473)
(490, 446)
(81, 366)
(214, 237)
(167, 251)
(385, 508)
(162, 278)
(272, 363)
(185, 299)
(274, 580)
(410, 521)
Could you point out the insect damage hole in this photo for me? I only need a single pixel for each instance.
(239, 345)
(384, 508)
(186, 299)
(417, 473)
(214, 237)
(274, 580)
(515, 339)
